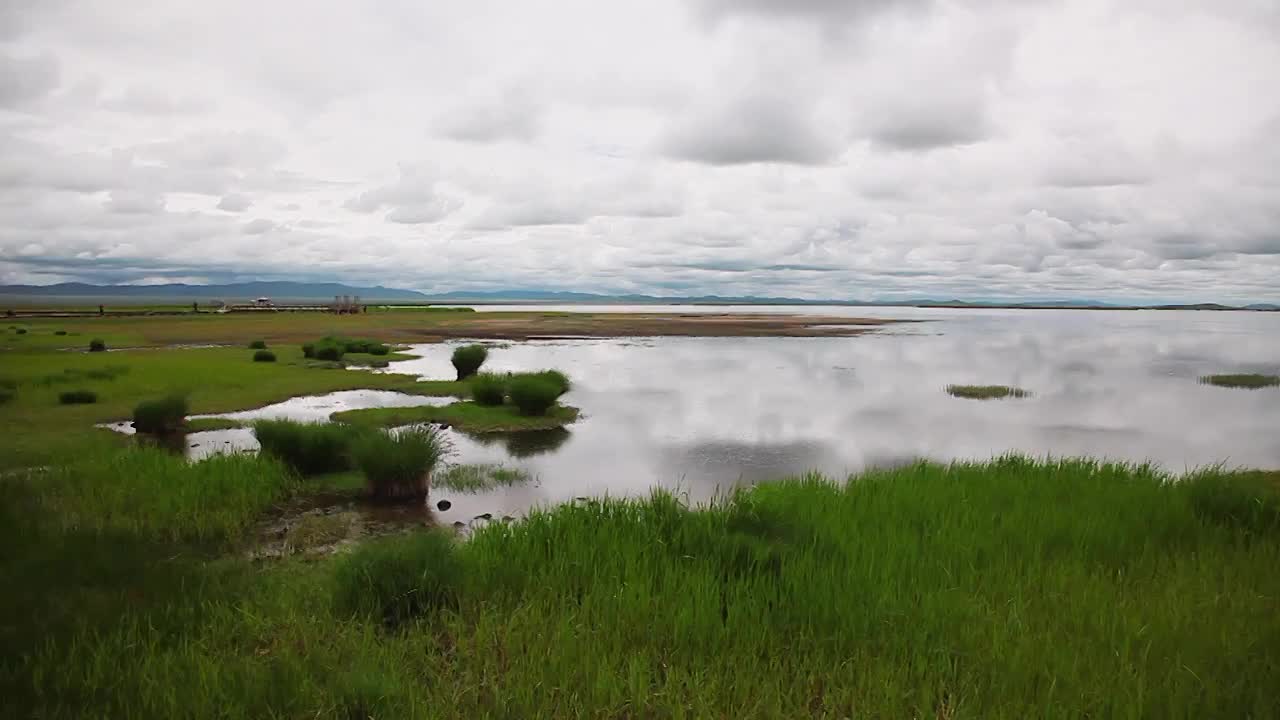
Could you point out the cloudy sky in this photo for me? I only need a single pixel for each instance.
(862, 149)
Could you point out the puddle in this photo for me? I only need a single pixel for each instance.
(318, 408)
(309, 408)
(329, 524)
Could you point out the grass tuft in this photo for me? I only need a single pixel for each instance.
(480, 477)
(308, 448)
(1250, 381)
(398, 466)
(468, 359)
(488, 389)
(164, 416)
(532, 394)
(258, 345)
(97, 345)
(986, 392)
(264, 356)
(78, 397)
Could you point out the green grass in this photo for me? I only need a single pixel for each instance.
(534, 395)
(488, 388)
(308, 448)
(213, 423)
(463, 415)
(398, 466)
(468, 359)
(38, 431)
(1009, 589)
(479, 477)
(986, 392)
(77, 397)
(1252, 381)
(161, 416)
(157, 495)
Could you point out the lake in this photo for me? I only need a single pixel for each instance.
(701, 415)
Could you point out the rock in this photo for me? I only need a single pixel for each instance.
(443, 505)
(508, 518)
(484, 516)
(444, 426)
(458, 524)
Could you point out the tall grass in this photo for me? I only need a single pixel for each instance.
(533, 395)
(162, 416)
(398, 580)
(468, 359)
(488, 389)
(398, 466)
(1009, 589)
(308, 448)
(154, 494)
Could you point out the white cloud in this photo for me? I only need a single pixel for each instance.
(819, 148)
(234, 202)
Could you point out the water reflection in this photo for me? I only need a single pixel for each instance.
(703, 414)
(700, 415)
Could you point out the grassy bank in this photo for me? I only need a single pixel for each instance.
(40, 431)
(464, 415)
(1009, 589)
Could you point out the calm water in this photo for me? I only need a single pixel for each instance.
(704, 414)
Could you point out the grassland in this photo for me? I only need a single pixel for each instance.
(38, 431)
(1008, 589)
(295, 328)
(464, 415)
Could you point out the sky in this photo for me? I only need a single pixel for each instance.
(862, 150)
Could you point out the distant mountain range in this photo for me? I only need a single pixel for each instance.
(290, 290)
(325, 291)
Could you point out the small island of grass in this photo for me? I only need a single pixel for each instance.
(1249, 381)
(212, 423)
(986, 392)
(465, 415)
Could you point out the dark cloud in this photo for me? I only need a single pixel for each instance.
(234, 202)
(751, 129)
(26, 79)
(132, 202)
(800, 147)
(258, 226)
(412, 199)
(510, 116)
(927, 129)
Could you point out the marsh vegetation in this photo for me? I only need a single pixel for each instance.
(986, 392)
(900, 574)
(1250, 381)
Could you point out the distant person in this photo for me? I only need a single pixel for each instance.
(102, 310)
(195, 307)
